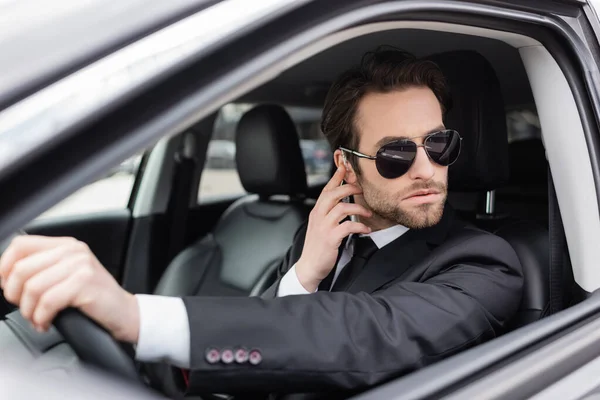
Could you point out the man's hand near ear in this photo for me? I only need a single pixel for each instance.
(324, 234)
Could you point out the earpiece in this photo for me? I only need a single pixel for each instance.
(345, 159)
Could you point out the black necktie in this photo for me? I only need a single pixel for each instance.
(363, 250)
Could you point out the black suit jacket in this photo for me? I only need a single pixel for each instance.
(427, 295)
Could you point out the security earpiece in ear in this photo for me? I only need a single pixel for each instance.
(345, 159)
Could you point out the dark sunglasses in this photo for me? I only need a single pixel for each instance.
(394, 159)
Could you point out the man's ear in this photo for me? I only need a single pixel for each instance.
(338, 158)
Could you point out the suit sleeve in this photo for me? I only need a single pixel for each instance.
(342, 341)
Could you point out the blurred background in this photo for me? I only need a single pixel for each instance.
(220, 178)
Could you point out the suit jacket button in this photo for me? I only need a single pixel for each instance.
(212, 356)
(241, 356)
(255, 357)
(227, 356)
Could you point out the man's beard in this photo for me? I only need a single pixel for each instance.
(388, 207)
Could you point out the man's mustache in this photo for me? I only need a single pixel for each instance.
(439, 186)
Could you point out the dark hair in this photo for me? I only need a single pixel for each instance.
(381, 71)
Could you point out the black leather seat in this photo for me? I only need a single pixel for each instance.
(526, 200)
(478, 113)
(528, 168)
(526, 194)
(531, 241)
(252, 236)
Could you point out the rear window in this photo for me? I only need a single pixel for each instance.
(220, 177)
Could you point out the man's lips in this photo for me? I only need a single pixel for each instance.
(422, 193)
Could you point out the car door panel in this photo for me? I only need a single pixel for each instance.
(106, 233)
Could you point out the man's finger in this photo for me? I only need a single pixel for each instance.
(348, 227)
(27, 267)
(336, 179)
(342, 210)
(330, 199)
(54, 300)
(23, 246)
(40, 283)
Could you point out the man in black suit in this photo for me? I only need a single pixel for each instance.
(382, 280)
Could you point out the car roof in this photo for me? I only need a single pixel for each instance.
(34, 52)
(307, 82)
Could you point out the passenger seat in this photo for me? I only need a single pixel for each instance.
(253, 234)
(479, 114)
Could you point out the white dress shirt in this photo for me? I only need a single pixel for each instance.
(164, 326)
(290, 284)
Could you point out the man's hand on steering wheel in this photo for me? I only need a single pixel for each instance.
(44, 275)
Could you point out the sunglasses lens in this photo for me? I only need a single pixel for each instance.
(443, 147)
(394, 159)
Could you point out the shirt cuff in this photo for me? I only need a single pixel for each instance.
(164, 330)
(290, 284)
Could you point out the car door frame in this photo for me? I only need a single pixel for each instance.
(200, 96)
(515, 365)
(105, 231)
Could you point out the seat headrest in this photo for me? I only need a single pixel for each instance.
(268, 155)
(478, 114)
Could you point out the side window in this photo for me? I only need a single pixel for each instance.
(111, 192)
(527, 155)
(316, 151)
(220, 178)
(523, 124)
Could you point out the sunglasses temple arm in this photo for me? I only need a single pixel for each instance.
(356, 153)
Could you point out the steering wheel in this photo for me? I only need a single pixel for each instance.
(94, 345)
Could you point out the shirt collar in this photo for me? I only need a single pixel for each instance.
(383, 237)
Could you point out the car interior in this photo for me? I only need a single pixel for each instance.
(497, 184)
(501, 182)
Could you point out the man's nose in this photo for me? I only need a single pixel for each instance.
(422, 167)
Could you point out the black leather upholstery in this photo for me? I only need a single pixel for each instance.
(268, 155)
(531, 242)
(252, 236)
(248, 241)
(528, 166)
(526, 199)
(526, 194)
(478, 114)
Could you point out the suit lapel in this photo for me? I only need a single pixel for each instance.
(395, 259)
(389, 263)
